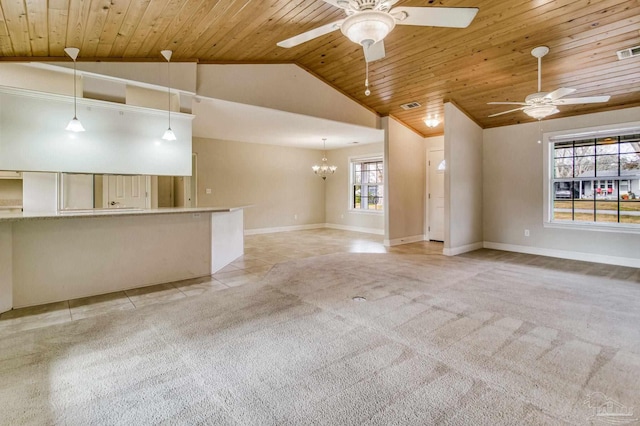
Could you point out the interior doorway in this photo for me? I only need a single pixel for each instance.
(436, 167)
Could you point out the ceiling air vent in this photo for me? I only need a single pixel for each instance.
(410, 105)
(628, 53)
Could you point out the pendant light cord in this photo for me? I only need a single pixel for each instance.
(75, 108)
(366, 80)
(169, 91)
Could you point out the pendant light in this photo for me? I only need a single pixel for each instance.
(168, 134)
(74, 125)
(324, 169)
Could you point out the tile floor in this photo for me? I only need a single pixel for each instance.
(261, 253)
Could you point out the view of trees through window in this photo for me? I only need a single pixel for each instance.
(367, 184)
(597, 180)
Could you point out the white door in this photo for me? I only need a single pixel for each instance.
(126, 191)
(436, 195)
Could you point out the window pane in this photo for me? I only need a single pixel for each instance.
(586, 147)
(564, 149)
(358, 177)
(565, 191)
(629, 164)
(607, 146)
(607, 165)
(630, 211)
(356, 196)
(607, 211)
(563, 167)
(562, 210)
(584, 166)
(583, 210)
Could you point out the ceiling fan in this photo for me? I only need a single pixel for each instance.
(543, 104)
(369, 21)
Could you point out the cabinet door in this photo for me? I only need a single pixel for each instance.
(10, 175)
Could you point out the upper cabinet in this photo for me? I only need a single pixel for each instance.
(10, 175)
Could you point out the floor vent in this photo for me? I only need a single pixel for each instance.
(628, 53)
(359, 299)
(410, 105)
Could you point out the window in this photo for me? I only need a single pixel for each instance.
(596, 180)
(366, 185)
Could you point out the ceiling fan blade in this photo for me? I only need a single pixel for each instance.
(374, 52)
(310, 35)
(586, 100)
(337, 3)
(507, 103)
(454, 17)
(507, 112)
(559, 93)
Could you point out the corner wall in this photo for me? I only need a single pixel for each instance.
(463, 182)
(513, 196)
(404, 183)
(276, 181)
(338, 214)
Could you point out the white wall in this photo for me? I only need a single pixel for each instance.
(338, 191)
(285, 87)
(276, 181)
(25, 76)
(513, 194)
(119, 139)
(463, 182)
(404, 183)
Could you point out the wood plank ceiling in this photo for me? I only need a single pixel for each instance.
(488, 61)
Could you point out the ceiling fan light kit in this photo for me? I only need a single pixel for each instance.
(368, 27)
(543, 104)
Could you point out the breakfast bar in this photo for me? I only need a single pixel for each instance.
(55, 256)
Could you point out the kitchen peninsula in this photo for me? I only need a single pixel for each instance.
(54, 256)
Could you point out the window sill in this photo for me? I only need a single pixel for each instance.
(594, 226)
(371, 212)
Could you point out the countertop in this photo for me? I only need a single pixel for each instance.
(63, 214)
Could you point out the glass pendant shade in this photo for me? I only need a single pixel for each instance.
(169, 135)
(366, 26)
(75, 125)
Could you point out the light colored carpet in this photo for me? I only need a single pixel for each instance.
(488, 338)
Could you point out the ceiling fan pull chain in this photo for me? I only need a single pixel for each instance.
(366, 80)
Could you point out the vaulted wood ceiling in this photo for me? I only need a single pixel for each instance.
(488, 61)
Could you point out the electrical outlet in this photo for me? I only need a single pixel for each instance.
(295, 217)
(526, 233)
(196, 215)
(208, 191)
(341, 216)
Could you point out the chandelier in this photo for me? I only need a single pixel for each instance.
(324, 169)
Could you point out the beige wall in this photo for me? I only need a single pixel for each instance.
(25, 77)
(285, 87)
(463, 181)
(337, 191)
(277, 181)
(404, 183)
(513, 191)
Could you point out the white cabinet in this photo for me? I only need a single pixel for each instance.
(10, 175)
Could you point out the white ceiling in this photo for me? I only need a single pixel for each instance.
(218, 119)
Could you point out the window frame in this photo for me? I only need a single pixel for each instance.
(351, 182)
(549, 179)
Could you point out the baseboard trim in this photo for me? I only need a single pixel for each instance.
(565, 254)
(354, 228)
(403, 240)
(257, 231)
(454, 251)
